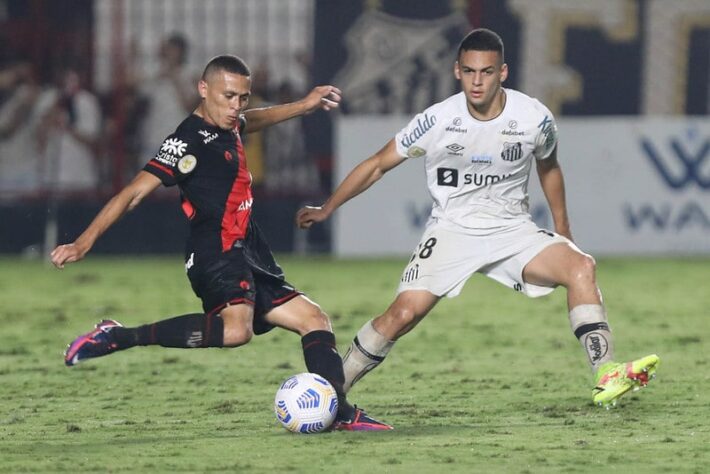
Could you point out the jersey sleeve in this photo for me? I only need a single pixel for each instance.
(175, 160)
(414, 140)
(546, 139)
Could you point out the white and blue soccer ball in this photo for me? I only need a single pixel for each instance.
(306, 403)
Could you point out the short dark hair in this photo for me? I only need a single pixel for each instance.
(482, 39)
(226, 62)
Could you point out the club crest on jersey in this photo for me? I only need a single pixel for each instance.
(416, 152)
(512, 151)
(187, 163)
(174, 146)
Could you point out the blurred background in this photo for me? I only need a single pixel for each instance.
(89, 89)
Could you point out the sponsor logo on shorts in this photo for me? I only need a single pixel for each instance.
(411, 274)
(190, 261)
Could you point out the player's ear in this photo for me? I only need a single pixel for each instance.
(457, 71)
(503, 72)
(202, 88)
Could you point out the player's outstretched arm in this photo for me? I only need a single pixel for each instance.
(553, 186)
(142, 185)
(321, 97)
(360, 178)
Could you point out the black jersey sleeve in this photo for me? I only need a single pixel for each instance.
(175, 160)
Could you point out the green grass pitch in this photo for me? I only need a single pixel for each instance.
(490, 381)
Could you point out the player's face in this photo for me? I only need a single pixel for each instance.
(480, 74)
(225, 96)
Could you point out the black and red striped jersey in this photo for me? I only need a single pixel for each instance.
(209, 166)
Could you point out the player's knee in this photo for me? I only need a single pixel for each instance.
(401, 316)
(237, 334)
(584, 269)
(315, 320)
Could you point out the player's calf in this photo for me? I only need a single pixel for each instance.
(367, 351)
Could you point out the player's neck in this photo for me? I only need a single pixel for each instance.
(204, 116)
(491, 110)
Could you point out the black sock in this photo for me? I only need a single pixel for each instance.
(322, 358)
(187, 331)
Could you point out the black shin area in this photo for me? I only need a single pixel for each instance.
(187, 331)
(322, 358)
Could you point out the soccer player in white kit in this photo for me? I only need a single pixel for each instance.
(478, 147)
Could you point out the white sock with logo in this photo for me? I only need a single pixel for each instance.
(367, 351)
(590, 325)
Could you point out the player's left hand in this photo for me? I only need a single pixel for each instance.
(322, 97)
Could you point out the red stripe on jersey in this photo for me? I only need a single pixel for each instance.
(161, 167)
(188, 208)
(238, 206)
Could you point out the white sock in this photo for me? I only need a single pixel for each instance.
(590, 326)
(367, 351)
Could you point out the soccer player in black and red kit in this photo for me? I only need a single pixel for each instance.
(229, 264)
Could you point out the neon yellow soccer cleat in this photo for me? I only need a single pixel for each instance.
(615, 379)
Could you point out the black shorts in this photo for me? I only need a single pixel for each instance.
(246, 274)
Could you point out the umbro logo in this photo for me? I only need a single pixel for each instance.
(455, 149)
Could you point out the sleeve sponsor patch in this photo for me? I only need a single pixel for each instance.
(171, 161)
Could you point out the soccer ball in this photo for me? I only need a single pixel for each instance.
(306, 403)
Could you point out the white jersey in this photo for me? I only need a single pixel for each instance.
(477, 171)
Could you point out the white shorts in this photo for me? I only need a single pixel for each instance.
(445, 259)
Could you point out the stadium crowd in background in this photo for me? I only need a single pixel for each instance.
(59, 135)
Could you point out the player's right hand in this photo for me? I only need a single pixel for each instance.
(309, 215)
(66, 253)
